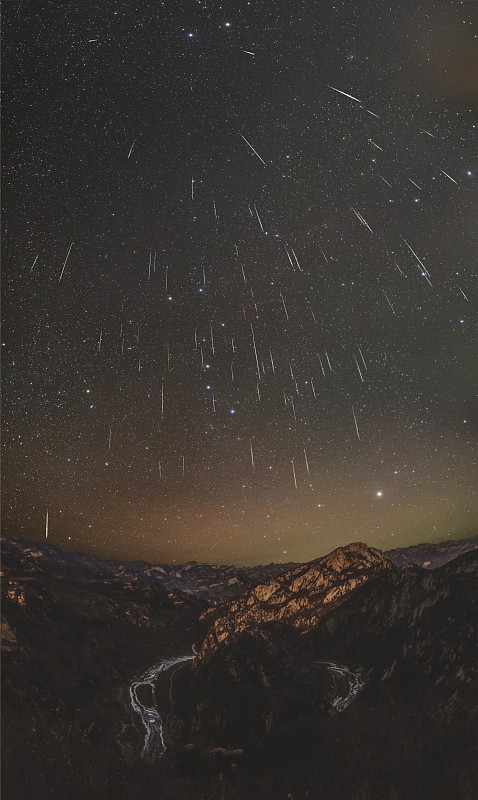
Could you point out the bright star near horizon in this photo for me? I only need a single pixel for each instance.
(379, 494)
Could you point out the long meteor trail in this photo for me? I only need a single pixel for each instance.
(64, 263)
(253, 149)
(356, 425)
(344, 93)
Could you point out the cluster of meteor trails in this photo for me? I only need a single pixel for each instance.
(263, 359)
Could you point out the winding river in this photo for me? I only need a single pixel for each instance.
(354, 683)
(154, 743)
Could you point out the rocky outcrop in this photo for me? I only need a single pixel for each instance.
(409, 622)
(407, 634)
(298, 597)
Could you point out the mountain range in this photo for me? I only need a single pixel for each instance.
(353, 675)
(211, 582)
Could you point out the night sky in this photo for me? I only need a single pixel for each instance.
(240, 305)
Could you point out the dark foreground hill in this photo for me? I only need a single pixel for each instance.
(347, 677)
(399, 629)
(69, 647)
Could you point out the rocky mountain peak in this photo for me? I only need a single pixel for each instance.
(297, 597)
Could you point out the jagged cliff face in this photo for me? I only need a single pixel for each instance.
(299, 597)
(408, 633)
(409, 622)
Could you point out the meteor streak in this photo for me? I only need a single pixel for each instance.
(64, 263)
(448, 176)
(362, 220)
(296, 259)
(260, 221)
(283, 303)
(389, 303)
(359, 370)
(344, 93)
(272, 361)
(360, 351)
(306, 462)
(289, 257)
(212, 339)
(253, 149)
(425, 272)
(356, 426)
(255, 351)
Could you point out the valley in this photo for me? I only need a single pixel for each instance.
(349, 665)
